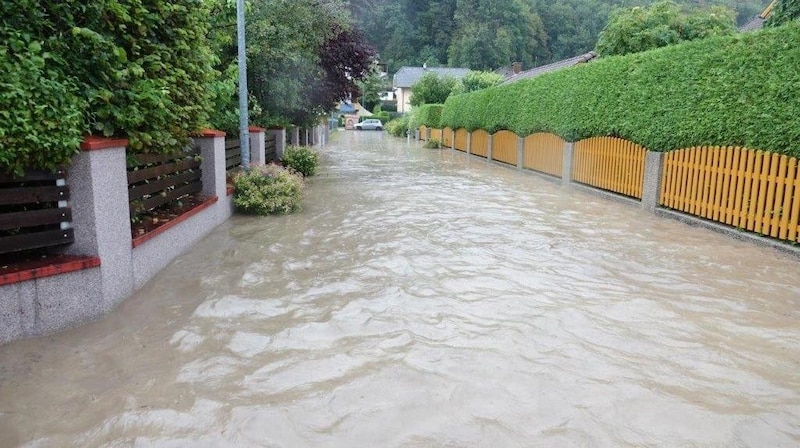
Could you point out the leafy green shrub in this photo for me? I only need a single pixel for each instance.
(267, 189)
(41, 111)
(737, 90)
(398, 127)
(302, 159)
(133, 70)
(432, 144)
(429, 115)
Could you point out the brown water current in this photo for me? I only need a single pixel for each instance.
(425, 299)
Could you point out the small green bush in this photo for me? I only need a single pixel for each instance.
(398, 127)
(266, 190)
(302, 159)
(432, 144)
(739, 90)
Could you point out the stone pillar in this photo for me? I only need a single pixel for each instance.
(469, 143)
(566, 167)
(520, 152)
(452, 139)
(427, 133)
(653, 164)
(295, 136)
(490, 147)
(306, 141)
(258, 146)
(212, 151)
(280, 141)
(101, 215)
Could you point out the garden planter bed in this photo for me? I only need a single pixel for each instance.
(38, 266)
(159, 221)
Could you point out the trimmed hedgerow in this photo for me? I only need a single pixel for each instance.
(139, 70)
(429, 115)
(740, 90)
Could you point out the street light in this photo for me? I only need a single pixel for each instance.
(244, 132)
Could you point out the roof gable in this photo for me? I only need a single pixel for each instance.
(542, 69)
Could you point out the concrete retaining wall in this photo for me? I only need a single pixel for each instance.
(99, 200)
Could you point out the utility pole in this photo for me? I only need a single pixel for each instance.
(244, 119)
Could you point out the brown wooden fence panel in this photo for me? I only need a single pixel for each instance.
(447, 138)
(423, 133)
(233, 155)
(436, 134)
(504, 147)
(480, 143)
(34, 213)
(610, 163)
(748, 189)
(270, 145)
(544, 152)
(461, 139)
(157, 180)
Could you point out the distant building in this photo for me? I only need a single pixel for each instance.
(406, 77)
(555, 66)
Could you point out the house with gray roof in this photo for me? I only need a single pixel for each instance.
(558, 65)
(406, 77)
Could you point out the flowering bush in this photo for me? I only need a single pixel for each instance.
(269, 189)
(302, 159)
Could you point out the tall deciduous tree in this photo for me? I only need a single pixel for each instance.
(664, 23)
(432, 89)
(785, 11)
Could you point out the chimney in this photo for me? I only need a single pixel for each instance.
(516, 67)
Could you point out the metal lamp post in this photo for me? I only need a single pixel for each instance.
(244, 119)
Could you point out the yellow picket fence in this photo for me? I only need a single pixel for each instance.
(447, 138)
(504, 147)
(544, 152)
(752, 190)
(610, 163)
(480, 143)
(423, 132)
(436, 134)
(461, 139)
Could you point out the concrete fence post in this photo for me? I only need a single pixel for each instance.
(212, 152)
(469, 143)
(520, 152)
(101, 216)
(651, 191)
(566, 167)
(295, 136)
(306, 140)
(490, 148)
(452, 139)
(280, 141)
(258, 155)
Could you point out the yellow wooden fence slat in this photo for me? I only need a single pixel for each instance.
(788, 194)
(794, 231)
(721, 159)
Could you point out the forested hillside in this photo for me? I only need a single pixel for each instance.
(487, 34)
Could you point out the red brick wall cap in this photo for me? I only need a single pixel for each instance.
(256, 129)
(211, 133)
(95, 143)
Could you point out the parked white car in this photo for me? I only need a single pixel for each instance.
(370, 123)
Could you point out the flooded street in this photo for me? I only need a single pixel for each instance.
(425, 299)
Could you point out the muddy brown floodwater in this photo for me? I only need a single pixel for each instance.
(424, 299)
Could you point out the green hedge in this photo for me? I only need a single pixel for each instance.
(125, 68)
(740, 90)
(429, 115)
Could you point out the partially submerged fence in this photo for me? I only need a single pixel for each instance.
(751, 190)
(748, 190)
(610, 163)
(233, 155)
(34, 213)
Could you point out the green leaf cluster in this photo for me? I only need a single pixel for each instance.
(738, 90)
(785, 11)
(132, 69)
(429, 115)
(267, 190)
(432, 88)
(302, 159)
(398, 127)
(663, 23)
